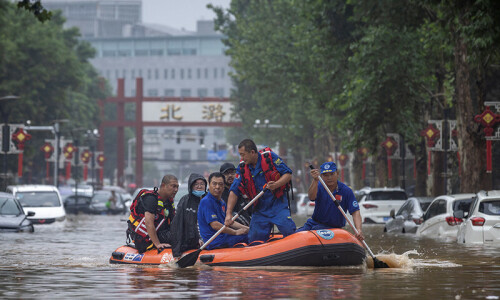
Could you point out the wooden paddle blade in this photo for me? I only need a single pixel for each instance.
(188, 259)
(379, 264)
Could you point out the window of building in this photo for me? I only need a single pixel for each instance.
(198, 73)
(182, 74)
(186, 154)
(185, 92)
(165, 73)
(124, 73)
(219, 92)
(124, 52)
(219, 133)
(169, 93)
(174, 51)
(152, 93)
(117, 75)
(202, 154)
(132, 73)
(188, 51)
(108, 74)
(149, 73)
(157, 74)
(140, 73)
(141, 52)
(215, 72)
(168, 154)
(156, 52)
(206, 73)
(222, 72)
(202, 93)
(108, 53)
(173, 74)
(189, 74)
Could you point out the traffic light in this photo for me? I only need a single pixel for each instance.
(178, 137)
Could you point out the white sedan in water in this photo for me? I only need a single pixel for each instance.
(438, 219)
(482, 223)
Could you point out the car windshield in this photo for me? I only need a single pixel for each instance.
(424, 205)
(463, 204)
(490, 208)
(38, 199)
(387, 195)
(8, 207)
(101, 197)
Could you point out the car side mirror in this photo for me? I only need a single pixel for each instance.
(31, 213)
(458, 214)
(392, 213)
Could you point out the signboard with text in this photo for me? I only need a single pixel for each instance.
(179, 111)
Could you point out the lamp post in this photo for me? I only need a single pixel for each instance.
(5, 135)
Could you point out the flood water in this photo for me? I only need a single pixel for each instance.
(71, 259)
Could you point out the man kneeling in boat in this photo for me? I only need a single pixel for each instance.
(211, 216)
(326, 214)
(151, 214)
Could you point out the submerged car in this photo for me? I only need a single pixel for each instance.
(376, 203)
(409, 216)
(438, 220)
(482, 222)
(12, 217)
(74, 204)
(101, 204)
(44, 200)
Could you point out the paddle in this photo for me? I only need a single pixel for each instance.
(191, 258)
(376, 263)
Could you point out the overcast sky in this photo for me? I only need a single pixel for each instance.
(179, 13)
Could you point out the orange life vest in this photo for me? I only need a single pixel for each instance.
(247, 185)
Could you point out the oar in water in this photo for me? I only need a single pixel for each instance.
(376, 263)
(191, 258)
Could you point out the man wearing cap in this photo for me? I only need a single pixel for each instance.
(229, 172)
(326, 214)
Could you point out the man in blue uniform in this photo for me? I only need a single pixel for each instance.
(270, 210)
(211, 216)
(326, 214)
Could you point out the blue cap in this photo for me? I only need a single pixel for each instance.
(328, 167)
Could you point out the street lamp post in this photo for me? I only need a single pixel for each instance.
(5, 135)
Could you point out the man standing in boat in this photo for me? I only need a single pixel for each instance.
(211, 216)
(151, 213)
(326, 214)
(256, 170)
(229, 172)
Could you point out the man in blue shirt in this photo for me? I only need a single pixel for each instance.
(211, 216)
(326, 214)
(270, 210)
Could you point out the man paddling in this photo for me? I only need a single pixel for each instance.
(211, 216)
(326, 214)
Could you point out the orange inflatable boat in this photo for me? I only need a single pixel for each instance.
(325, 247)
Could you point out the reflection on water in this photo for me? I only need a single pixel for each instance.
(71, 259)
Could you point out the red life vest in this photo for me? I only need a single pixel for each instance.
(137, 220)
(247, 185)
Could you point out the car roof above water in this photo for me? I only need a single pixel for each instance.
(32, 188)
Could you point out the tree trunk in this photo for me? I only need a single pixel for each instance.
(470, 146)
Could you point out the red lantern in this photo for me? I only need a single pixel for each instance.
(69, 150)
(364, 156)
(390, 145)
(488, 119)
(20, 137)
(431, 134)
(47, 149)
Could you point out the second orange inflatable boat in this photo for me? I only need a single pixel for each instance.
(325, 247)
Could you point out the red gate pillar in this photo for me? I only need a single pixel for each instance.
(138, 131)
(120, 142)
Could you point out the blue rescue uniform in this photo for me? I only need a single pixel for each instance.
(326, 214)
(212, 209)
(269, 210)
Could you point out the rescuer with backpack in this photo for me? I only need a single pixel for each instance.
(151, 214)
(256, 169)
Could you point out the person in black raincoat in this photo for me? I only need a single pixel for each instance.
(229, 172)
(185, 224)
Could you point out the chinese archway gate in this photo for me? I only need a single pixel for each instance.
(166, 109)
